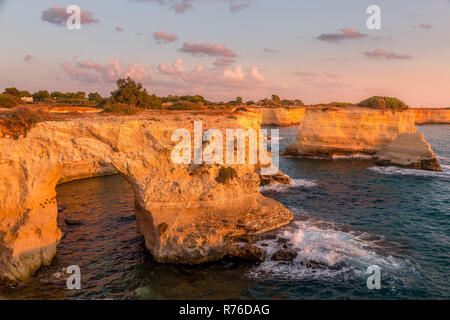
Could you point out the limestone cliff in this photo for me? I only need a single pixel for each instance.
(185, 213)
(431, 116)
(326, 132)
(409, 150)
(281, 116)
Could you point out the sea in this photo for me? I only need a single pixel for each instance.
(355, 225)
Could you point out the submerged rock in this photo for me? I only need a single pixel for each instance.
(72, 222)
(409, 150)
(284, 255)
(280, 177)
(248, 252)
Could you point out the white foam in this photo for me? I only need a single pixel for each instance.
(333, 253)
(296, 183)
(391, 170)
(353, 156)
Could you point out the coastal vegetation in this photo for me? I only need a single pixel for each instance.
(130, 96)
(226, 174)
(19, 122)
(132, 93)
(9, 101)
(384, 103)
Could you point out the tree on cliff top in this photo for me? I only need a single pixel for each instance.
(384, 103)
(12, 92)
(133, 93)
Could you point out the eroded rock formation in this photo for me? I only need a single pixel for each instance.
(185, 213)
(431, 116)
(409, 150)
(328, 132)
(281, 116)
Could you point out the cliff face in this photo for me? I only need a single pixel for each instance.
(185, 213)
(333, 131)
(431, 116)
(281, 116)
(409, 150)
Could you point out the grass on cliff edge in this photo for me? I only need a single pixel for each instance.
(19, 122)
(384, 103)
(9, 101)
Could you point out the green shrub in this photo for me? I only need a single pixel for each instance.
(340, 104)
(120, 108)
(384, 103)
(9, 101)
(226, 174)
(184, 106)
(133, 93)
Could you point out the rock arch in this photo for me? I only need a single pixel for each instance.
(183, 212)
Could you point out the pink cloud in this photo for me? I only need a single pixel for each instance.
(164, 37)
(89, 71)
(209, 49)
(423, 26)
(181, 6)
(238, 77)
(222, 62)
(344, 34)
(381, 53)
(58, 16)
(28, 57)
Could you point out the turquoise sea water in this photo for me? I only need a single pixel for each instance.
(349, 214)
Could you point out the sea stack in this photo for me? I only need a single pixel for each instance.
(409, 150)
(331, 131)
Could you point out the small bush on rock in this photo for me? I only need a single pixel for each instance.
(226, 174)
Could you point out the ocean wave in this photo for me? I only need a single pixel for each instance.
(296, 183)
(391, 170)
(322, 254)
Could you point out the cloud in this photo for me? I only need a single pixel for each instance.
(344, 34)
(305, 74)
(118, 29)
(181, 6)
(58, 16)
(238, 5)
(381, 53)
(209, 49)
(238, 77)
(164, 37)
(423, 26)
(223, 62)
(90, 72)
(28, 57)
(268, 50)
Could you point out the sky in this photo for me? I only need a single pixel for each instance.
(316, 51)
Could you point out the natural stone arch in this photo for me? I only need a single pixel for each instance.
(184, 213)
